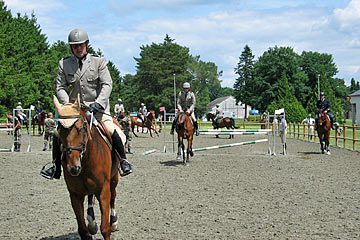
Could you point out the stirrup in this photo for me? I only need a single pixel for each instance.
(127, 172)
(48, 173)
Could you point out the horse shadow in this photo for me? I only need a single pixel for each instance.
(309, 153)
(172, 163)
(69, 236)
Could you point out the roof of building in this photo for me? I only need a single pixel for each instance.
(357, 93)
(217, 101)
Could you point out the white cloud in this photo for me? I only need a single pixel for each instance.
(39, 6)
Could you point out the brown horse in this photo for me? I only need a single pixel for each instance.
(227, 122)
(324, 126)
(148, 123)
(185, 130)
(40, 121)
(263, 122)
(88, 169)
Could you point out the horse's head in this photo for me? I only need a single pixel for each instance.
(151, 115)
(209, 116)
(73, 134)
(324, 120)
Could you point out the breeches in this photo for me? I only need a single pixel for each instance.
(110, 125)
(192, 116)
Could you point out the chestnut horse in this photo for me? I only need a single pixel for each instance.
(40, 121)
(88, 169)
(324, 126)
(148, 123)
(227, 122)
(185, 130)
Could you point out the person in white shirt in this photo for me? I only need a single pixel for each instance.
(283, 130)
(310, 122)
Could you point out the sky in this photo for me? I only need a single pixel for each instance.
(216, 30)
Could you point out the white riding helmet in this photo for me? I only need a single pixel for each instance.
(186, 85)
(19, 103)
(119, 100)
(142, 104)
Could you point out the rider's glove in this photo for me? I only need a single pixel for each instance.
(95, 107)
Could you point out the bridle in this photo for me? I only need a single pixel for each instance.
(83, 129)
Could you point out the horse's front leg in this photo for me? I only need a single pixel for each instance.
(179, 147)
(104, 200)
(92, 225)
(77, 203)
(113, 215)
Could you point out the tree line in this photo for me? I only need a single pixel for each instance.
(28, 66)
(282, 78)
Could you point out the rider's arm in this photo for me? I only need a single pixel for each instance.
(192, 107)
(61, 84)
(105, 82)
(179, 102)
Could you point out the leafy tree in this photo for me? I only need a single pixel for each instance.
(294, 111)
(267, 74)
(243, 86)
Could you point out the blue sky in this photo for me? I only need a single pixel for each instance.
(217, 30)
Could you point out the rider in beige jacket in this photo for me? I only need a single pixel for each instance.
(88, 76)
(186, 103)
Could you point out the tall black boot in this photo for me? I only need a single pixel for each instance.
(124, 164)
(55, 170)
(316, 124)
(332, 123)
(173, 127)
(197, 133)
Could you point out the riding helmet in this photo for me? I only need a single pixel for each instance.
(186, 85)
(77, 36)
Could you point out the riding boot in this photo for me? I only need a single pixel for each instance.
(173, 127)
(55, 170)
(45, 146)
(125, 167)
(332, 124)
(197, 133)
(316, 125)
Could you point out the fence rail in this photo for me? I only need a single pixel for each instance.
(349, 138)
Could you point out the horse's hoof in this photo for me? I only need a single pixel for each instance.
(114, 227)
(328, 153)
(178, 157)
(92, 226)
(191, 153)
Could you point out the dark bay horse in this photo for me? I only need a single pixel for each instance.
(148, 123)
(324, 126)
(40, 121)
(263, 122)
(88, 169)
(185, 130)
(227, 122)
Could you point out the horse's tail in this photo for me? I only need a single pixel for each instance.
(233, 123)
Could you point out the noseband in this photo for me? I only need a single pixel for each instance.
(83, 129)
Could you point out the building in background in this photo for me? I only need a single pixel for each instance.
(229, 107)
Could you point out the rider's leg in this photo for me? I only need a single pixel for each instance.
(316, 123)
(173, 125)
(55, 170)
(117, 144)
(331, 120)
(196, 127)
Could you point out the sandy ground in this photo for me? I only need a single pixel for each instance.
(230, 193)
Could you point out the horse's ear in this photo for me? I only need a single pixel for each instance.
(77, 102)
(56, 103)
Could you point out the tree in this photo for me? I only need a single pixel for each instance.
(243, 86)
(294, 111)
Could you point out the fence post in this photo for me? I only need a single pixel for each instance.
(354, 136)
(344, 137)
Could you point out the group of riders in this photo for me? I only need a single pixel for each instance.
(88, 77)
